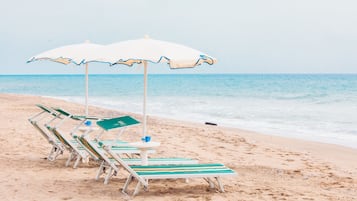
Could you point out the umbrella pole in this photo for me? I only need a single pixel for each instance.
(86, 100)
(145, 94)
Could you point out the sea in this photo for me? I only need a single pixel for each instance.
(315, 107)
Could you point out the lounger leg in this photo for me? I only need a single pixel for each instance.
(69, 159)
(221, 188)
(100, 170)
(50, 157)
(57, 153)
(127, 182)
(109, 175)
(85, 159)
(77, 161)
(137, 188)
(210, 182)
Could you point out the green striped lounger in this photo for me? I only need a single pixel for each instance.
(98, 154)
(144, 173)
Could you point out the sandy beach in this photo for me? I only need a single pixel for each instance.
(268, 167)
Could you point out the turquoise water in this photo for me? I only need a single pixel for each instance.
(313, 107)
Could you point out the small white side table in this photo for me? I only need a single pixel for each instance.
(84, 129)
(144, 147)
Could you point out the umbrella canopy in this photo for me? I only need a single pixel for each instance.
(77, 54)
(155, 51)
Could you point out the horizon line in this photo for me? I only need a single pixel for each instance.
(277, 73)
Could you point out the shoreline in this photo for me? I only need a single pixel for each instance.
(268, 167)
(294, 137)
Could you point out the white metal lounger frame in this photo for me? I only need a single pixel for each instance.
(75, 153)
(143, 181)
(100, 157)
(98, 154)
(57, 148)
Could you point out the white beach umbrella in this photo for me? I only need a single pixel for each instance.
(79, 54)
(142, 51)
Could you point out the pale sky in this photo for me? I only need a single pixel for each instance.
(254, 36)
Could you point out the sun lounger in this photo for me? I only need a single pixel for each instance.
(50, 130)
(46, 116)
(99, 155)
(95, 152)
(144, 173)
(76, 152)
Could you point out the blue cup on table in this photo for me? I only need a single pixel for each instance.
(88, 123)
(147, 138)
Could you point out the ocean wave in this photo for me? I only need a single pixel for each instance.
(314, 107)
